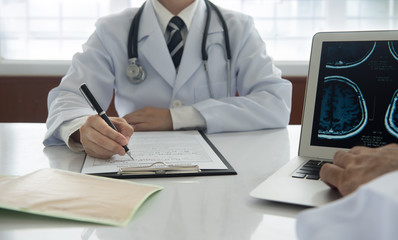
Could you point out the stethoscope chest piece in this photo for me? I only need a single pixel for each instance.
(135, 72)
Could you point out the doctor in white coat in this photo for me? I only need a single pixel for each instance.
(169, 98)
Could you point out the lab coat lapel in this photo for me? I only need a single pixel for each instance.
(192, 56)
(152, 46)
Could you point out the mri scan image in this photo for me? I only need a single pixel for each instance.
(357, 95)
(343, 111)
(393, 51)
(349, 54)
(391, 120)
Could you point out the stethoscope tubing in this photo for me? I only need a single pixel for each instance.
(132, 45)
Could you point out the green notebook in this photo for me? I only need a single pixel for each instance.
(75, 196)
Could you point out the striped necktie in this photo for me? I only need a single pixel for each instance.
(175, 43)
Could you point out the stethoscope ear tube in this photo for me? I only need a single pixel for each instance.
(225, 29)
(132, 42)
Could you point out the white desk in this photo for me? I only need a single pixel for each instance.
(209, 207)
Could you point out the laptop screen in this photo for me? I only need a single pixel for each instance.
(357, 94)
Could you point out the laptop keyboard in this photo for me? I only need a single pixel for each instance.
(310, 170)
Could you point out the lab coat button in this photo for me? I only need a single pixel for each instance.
(177, 103)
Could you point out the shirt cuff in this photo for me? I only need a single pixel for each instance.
(187, 117)
(67, 129)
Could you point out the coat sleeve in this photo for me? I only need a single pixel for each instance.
(264, 98)
(65, 102)
(95, 66)
(368, 213)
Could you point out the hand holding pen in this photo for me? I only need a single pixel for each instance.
(99, 135)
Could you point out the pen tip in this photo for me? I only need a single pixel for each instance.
(129, 154)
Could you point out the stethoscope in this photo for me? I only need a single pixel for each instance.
(136, 73)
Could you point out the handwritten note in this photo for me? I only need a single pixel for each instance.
(172, 148)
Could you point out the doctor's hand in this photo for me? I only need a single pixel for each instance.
(359, 166)
(100, 140)
(150, 119)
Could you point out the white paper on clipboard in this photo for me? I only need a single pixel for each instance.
(175, 148)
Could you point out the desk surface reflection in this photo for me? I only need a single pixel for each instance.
(209, 207)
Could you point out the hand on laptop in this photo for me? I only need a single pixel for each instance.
(358, 166)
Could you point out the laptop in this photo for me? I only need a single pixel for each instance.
(351, 99)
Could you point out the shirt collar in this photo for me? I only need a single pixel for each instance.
(165, 15)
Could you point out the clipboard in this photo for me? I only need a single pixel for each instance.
(161, 169)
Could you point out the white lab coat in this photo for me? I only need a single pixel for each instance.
(369, 213)
(264, 98)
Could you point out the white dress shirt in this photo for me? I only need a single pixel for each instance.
(187, 116)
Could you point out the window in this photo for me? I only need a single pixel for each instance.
(287, 26)
(49, 29)
(56, 29)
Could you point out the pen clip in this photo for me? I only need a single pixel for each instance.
(85, 97)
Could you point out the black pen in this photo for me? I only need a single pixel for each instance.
(95, 106)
